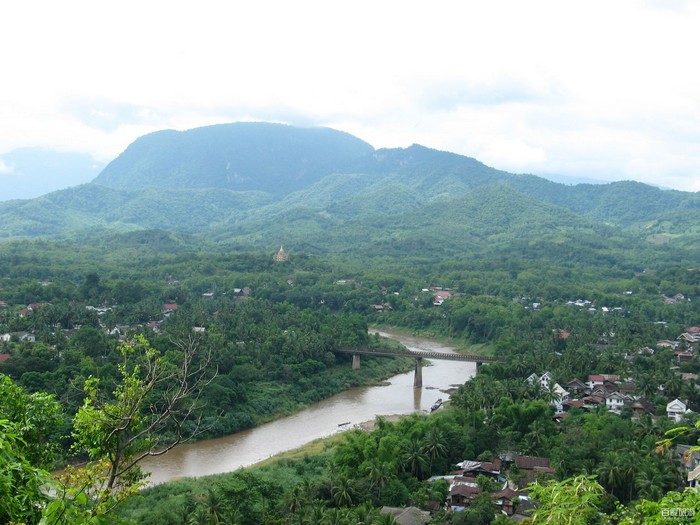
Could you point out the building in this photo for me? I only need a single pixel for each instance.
(281, 255)
(676, 409)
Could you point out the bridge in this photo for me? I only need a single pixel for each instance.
(418, 356)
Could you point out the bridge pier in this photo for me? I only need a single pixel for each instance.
(418, 376)
(355, 361)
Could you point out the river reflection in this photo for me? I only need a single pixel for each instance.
(322, 419)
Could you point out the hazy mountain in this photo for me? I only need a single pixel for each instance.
(264, 184)
(31, 172)
(242, 156)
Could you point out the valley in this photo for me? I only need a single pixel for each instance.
(162, 272)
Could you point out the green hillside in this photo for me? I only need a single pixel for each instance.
(255, 184)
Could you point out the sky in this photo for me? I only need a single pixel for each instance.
(605, 90)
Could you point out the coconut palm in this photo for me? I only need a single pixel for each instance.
(385, 519)
(214, 506)
(379, 475)
(413, 459)
(434, 446)
(365, 514)
(337, 517)
(343, 492)
(610, 471)
(294, 499)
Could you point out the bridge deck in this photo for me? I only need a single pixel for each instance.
(426, 355)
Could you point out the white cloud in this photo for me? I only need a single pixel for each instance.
(604, 89)
(6, 168)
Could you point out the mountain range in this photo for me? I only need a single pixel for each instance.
(319, 190)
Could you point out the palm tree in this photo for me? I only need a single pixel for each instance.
(647, 386)
(650, 483)
(534, 440)
(673, 386)
(385, 519)
(199, 516)
(214, 506)
(413, 459)
(365, 514)
(294, 499)
(617, 472)
(610, 471)
(343, 492)
(434, 446)
(336, 517)
(379, 475)
(316, 514)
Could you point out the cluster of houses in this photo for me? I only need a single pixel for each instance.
(615, 393)
(604, 390)
(120, 331)
(511, 474)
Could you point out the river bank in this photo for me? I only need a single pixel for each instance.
(347, 409)
(458, 345)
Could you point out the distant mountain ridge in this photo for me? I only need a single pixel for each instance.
(243, 156)
(259, 184)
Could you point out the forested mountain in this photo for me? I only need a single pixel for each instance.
(254, 184)
(244, 156)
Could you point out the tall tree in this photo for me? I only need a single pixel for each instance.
(154, 398)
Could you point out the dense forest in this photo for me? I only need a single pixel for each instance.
(268, 330)
(134, 317)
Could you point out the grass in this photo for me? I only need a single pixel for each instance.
(313, 448)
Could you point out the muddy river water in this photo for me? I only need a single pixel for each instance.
(337, 413)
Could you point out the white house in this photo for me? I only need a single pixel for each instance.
(614, 402)
(23, 337)
(676, 409)
(544, 380)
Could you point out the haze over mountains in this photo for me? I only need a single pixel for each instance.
(26, 173)
(322, 190)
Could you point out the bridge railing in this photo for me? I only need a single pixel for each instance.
(410, 353)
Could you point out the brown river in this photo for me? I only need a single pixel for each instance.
(327, 417)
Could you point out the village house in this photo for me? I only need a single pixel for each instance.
(683, 357)
(689, 340)
(544, 380)
(441, 296)
(491, 468)
(675, 299)
(461, 495)
(503, 500)
(407, 515)
(602, 380)
(615, 401)
(577, 387)
(22, 337)
(667, 344)
(532, 467)
(676, 410)
(169, 308)
(641, 407)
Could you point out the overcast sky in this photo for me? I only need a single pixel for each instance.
(601, 89)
